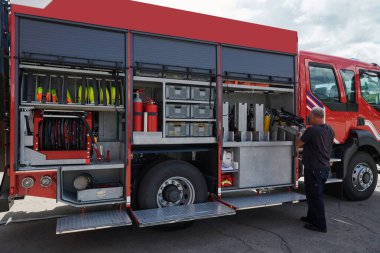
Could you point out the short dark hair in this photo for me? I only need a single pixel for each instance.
(318, 112)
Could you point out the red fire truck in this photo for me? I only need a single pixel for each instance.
(167, 116)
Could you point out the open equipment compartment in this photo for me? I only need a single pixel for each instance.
(259, 148)
(72, 110)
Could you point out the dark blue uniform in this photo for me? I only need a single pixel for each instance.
(317, 149)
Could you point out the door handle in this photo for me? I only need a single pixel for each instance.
(361, 121)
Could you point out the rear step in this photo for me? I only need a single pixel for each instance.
(92, 221)
(247, 200)
(174, 214)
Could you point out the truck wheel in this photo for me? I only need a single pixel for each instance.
(361, 177)
(172, 183)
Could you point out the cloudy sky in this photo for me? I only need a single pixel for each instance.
(340, 27)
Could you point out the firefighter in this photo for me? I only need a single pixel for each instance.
(317, 142)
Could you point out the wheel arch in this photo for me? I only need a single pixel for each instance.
(360, 140)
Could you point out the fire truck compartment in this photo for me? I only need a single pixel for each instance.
(262, 163)
(174, 214)
(250, 200)
(105, 184)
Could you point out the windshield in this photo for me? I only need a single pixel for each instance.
(370, 88)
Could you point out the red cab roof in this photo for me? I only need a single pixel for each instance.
(136, 16)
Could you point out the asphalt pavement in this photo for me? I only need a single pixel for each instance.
(352, 227)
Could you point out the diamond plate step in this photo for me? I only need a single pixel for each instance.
(92, 221)
(242, 201)
(160, 216)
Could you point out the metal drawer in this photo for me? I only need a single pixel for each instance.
(201, 129)
(177, 129)
(177, 111)
(96, 194)
(201, 94)
(203, 111)
(177, 92)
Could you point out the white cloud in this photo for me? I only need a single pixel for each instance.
(339, 27)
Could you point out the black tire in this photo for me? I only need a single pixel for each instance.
(158, 174)
(352, 192)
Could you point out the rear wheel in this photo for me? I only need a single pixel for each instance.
(172, 183)
(361, 177)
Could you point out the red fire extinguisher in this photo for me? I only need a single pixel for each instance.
(152, 109)
(137, 113)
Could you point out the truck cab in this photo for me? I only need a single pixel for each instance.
(349, 92)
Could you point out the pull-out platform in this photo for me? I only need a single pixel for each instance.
(250, 200)
(160, 216)
(92, 221)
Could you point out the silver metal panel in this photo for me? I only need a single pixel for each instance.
(160, 216)
(241, 112)
(264, 165)
(259, 120)
(98, 194)
(143, 139)
(92, 221)
(248, 200)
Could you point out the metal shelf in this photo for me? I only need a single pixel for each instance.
(257, 88)
(140, 139)
(231, 144)
(192, 120)
(87, 107)
(95, 166)
(172, 81)
(188, 101)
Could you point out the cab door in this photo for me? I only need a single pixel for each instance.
(325, 90)
(369, 100)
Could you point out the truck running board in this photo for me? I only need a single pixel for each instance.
(246, 200)
(174, 214)
(92, 221)
(330, 180)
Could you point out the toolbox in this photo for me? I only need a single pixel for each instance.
(201, 94)
(177, 111)
(201, 129)
(177, 129)
(177, 92)
(204, 111)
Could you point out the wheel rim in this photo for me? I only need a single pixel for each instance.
(175, 191)
(362, 177)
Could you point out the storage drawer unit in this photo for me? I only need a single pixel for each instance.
(177, 129)
(201, 129)
(100, 194)
(203, 111)
(177, 92)
(177, 111)
(201, 94)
